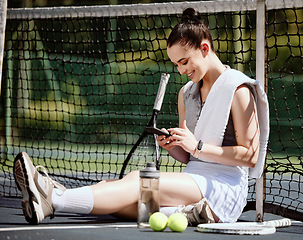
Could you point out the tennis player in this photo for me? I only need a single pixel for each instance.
(215, 180)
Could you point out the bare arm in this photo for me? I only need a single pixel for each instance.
(246, 129)
(177, 152)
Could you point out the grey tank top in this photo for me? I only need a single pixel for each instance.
(193, 106)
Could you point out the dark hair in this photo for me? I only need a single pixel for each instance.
(191, 31)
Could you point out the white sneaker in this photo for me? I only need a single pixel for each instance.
(197, 213)
(36, 189)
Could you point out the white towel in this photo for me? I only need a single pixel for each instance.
(214, 116)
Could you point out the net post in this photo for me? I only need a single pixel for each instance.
(260, 77)
(3, 12)
(260, 42)
(259, 199)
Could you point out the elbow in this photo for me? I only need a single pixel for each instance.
(252, 162)
(180, 155)
(184, 159)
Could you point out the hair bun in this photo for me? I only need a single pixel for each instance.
(191, 15)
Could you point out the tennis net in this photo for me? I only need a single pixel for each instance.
(78, 86)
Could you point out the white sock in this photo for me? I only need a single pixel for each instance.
(169, 210)
(77, 200)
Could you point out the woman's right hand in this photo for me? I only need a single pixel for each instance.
(164, 141)
(175, 151)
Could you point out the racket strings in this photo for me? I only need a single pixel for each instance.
(145, 152)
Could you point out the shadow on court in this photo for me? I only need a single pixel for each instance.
(90, 227)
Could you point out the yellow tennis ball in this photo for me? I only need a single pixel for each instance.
(177, 222)
(158, 221)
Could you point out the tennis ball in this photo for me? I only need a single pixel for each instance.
(177, 222)
(158, 221)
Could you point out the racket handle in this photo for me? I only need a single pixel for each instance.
(284, 222)
(161, 91)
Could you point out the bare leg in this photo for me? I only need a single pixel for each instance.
(121, 197)
(130, 213)
(112, 196)
(178, 189)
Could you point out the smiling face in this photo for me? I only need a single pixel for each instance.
(189, 61)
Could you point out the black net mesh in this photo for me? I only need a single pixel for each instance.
(78, 91)
(284, 167)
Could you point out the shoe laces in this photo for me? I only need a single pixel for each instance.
(181, 208)
(48, 178)
(185, 209)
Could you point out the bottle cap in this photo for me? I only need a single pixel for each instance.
(150, 171)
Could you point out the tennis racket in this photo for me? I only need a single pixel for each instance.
(244, 228)
(146, 149)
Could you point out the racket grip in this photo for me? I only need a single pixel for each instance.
(161, 91)
(284, 222)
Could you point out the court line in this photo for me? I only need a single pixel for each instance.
(30, 228)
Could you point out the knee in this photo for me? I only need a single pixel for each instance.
(132, 183)
(134, 175)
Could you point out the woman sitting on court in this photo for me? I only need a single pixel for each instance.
(220, 138)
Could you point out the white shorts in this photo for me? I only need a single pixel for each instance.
(225, 187)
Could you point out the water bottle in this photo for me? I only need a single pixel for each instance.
(149, 194)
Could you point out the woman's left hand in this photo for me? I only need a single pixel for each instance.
(184, 138)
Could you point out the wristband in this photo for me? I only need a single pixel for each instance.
(198, 149)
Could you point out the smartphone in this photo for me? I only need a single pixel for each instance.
(157, 131)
